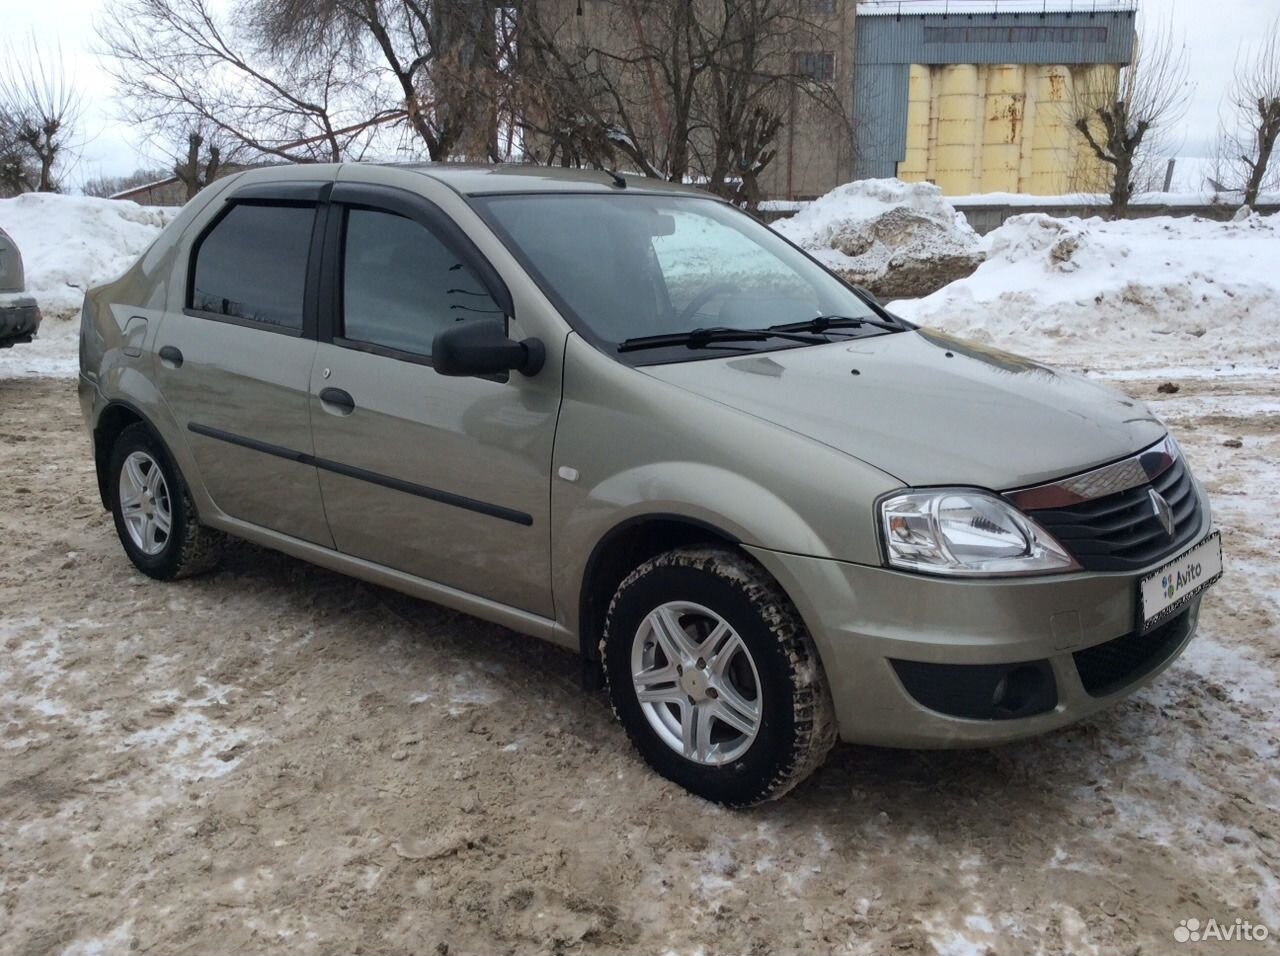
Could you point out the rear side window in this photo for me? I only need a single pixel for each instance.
(252, 265)
(401, 285)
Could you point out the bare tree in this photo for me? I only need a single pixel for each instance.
(757, 86)
(625, 90)
(1122, 114)
(207, 152)
(441, 60)
(1246, 148)
(17, 173)
(558, 114)
(40, 110)
(180, 67)
(674, 89)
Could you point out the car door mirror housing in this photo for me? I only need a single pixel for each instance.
(481, 347)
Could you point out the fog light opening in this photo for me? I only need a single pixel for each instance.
(1018, 689)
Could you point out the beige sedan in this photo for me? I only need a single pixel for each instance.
(625, 417)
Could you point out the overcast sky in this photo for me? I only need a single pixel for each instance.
(1213, 32)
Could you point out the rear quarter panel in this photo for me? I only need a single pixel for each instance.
(153, 284)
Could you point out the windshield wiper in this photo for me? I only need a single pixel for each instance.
(822, 323)
(701, 338)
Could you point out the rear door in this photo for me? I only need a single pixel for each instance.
(447, 479)
(234, 365)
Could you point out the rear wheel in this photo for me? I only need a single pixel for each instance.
(154, 517)
(715, 678)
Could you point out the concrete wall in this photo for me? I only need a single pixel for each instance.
(813, 152)
(986, 218)
(815, 149)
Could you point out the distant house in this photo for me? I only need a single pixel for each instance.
(167, 192)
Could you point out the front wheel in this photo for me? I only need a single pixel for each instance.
(715, 678)
(153, 513)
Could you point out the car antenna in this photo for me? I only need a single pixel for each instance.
(617, 178)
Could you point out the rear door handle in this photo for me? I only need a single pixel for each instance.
(171, 356)
(337, 400)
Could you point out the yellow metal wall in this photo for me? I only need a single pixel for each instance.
(998, 128)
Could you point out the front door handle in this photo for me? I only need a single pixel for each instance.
(337, 400)
(171, 356)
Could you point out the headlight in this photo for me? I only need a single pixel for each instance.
(961, 531)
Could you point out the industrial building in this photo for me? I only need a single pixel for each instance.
(980, 100)
(973, 95)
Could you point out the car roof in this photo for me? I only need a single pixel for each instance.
(473, 179)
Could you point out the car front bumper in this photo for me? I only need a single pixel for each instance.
(19, 320)
(919, 661)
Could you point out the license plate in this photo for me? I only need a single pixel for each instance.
(1164, 592)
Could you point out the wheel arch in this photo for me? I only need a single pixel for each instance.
(112, 421)
(623, 548)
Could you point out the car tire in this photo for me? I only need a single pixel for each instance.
(152, 509)
(738, 710)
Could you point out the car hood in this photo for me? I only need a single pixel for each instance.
(931, 409)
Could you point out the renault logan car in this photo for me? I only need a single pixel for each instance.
(625, 417)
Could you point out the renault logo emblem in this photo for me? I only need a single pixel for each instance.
(1160, 508)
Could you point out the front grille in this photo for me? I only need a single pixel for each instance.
(1106, 668)
(1121, 532)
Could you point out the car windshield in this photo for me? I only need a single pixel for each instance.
(626, 267)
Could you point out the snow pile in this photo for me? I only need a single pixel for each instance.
(68, 244)
(1090, 289)
(895, 238)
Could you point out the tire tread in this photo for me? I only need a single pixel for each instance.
(199, 548)
(813, 708)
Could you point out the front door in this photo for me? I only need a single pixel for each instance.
(235, 367)
(443, 478)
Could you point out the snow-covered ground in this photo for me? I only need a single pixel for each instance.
(275, 758)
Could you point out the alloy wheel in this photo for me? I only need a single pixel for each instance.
(696, 683)
(145, 503)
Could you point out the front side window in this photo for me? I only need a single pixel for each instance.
(401, 286)
(252, 266)
(631, 266)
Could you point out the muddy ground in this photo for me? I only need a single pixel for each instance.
(276, 759)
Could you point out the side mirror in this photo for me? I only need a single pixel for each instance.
(481, 347)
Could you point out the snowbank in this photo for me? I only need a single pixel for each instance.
(1092, 290)
(1188, 198)
(69, 243)
(895, 238)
